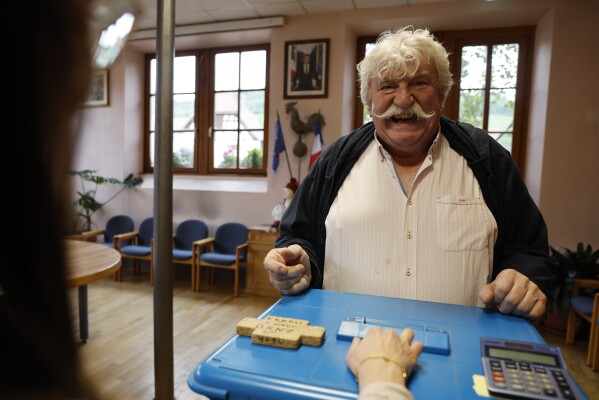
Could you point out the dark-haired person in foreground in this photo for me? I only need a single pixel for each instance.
(48, 68)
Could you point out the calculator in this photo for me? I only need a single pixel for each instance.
(526, 370)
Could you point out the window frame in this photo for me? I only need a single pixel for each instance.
(524, 36)
(204, 116)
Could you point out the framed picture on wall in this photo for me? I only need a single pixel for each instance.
(98, 90)
(306, 69)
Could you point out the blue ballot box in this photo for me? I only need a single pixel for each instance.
(446, 369)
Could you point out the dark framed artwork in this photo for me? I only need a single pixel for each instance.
(98, 90)
(306, 69)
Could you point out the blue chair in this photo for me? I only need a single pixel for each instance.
(186, 249)
(227, 249)
(141, 247)
(587, 308)
(114, 226)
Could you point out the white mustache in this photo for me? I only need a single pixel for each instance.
(405, 112)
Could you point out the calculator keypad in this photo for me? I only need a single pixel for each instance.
(531, 381)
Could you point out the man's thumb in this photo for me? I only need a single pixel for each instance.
(486, 294)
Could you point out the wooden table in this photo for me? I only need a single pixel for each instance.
(87, 262)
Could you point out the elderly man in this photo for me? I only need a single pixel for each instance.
(415, 205)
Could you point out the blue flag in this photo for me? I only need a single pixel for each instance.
(279, 145)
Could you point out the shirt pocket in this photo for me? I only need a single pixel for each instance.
(462, 223)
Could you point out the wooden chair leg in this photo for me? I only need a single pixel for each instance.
(571, 326)
(595, 363)
(592, 344)
(193, 278)
(236, 283)
(593, 356)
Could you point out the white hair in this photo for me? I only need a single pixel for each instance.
(401, 52)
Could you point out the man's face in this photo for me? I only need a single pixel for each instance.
(404, 134)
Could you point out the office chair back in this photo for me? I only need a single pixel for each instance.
(146, 232)
(189, 231)
(228, 236)
(117, 225)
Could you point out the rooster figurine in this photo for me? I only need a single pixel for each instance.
(300, 127)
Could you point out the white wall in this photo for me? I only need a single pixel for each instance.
(570, 180)
(563, 120)
(538, 108)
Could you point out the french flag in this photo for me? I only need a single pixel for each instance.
(317, 143)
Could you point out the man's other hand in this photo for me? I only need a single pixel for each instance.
(513, 293)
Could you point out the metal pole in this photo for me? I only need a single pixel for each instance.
(163, 205)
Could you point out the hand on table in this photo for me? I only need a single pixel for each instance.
(288, 269)
(513, 293)
(383, 355)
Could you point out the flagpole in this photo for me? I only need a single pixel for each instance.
(286, 155)
(288, 164)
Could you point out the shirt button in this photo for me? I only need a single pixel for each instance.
(409, 235)
(410, 201)
(408, 272)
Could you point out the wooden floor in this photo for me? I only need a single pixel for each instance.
(575, 356)
(119, 356)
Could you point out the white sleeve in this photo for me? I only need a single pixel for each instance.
(385, 391)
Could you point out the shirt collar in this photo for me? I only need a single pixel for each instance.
(435, 149)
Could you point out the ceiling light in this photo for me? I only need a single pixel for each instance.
(112, 21)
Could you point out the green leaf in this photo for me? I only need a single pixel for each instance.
(86, 204)
(571, 264)
(132, 181)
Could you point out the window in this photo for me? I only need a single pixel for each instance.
(492, 74)
(361, 114)
(220, 119)
(492, 70)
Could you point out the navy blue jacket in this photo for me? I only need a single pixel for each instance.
(522, 242)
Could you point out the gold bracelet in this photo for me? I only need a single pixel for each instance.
(383, 357)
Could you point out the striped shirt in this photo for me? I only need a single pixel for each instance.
(434, 243)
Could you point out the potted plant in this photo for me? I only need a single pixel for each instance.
(571, 264)
(86, 204)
